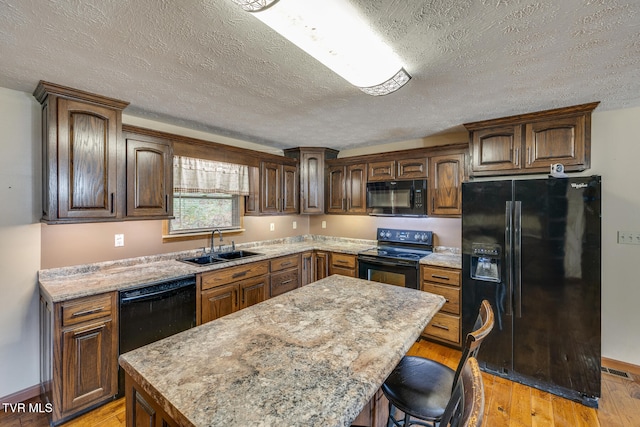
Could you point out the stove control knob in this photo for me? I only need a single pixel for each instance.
(424, 238)
(417, 236)
(387, 234)
(382, 234)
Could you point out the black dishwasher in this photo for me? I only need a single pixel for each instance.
(153, 312)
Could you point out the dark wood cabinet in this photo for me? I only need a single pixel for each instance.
(252, 201)
(312, 173)
(530, 143)
(285, 274)
(278, 188)
(375, 413)
(307, 270)
(80, 133)
(343, 264)
(415, 168)
(224, 291)
(149, 176)
(347, 188)
(80, 352)
(445, 184)
(142, 410)
(321, 264)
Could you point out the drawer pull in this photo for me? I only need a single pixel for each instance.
(284, 264)
(286, 281)
(90, 328)
(342, 261)
(240, 274)
(87, 312)
(435, 325)
(435, 276)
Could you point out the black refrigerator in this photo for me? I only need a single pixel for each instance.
(532, 248)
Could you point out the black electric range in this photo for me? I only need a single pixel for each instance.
(396, 258)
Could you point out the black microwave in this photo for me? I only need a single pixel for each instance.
(397, 198)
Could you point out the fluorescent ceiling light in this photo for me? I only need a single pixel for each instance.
(333, 32)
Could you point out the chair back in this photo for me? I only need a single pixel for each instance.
(466, 406)
(484, 325)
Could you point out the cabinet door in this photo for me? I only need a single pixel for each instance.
(87, 165)
(252, 201)
(89, 364)
(336, 199)
(321, 265)
(447, 174)
(290, 194)
(218, 302)
(496, 149)
(271, 185)
(356, 184)
(555, 141)
(307, 274)
(149, 179)
(382, 171)
(312, 182)
(252, 291)
(411, 168)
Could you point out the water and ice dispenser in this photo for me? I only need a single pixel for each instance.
(485, 262)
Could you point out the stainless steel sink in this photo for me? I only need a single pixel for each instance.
(235, 254)
(202, 260)
(218, 257)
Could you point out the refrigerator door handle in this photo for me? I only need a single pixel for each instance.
(517, 254)
(508, 226)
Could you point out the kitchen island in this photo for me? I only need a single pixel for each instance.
(311, 357)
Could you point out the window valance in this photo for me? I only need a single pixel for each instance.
(193, 175)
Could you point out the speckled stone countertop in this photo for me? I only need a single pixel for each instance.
(311, 357)
(443, 259)
(65, 283)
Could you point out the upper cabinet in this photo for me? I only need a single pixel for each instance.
(397, 169)
(149, 175)
(445, 184)
(347, 188)
(278, 188)
(312, 173)
(81, 160)
(530, 143)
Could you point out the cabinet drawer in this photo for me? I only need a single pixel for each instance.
(441, 275)
(232, 274)
(85, 309)
(284, 281)
(343, 260)
(285, 262)
(445, 327)
(451, 294)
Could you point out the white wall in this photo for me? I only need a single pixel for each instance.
(19, 240)
(616, 156)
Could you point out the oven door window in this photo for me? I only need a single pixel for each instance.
(391, 198)
(388, 277)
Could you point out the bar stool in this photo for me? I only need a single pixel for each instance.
(466, 406)
(422, 388)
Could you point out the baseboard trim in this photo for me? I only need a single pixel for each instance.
(621, 366)
(23, 395)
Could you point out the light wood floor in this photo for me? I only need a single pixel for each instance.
(507, 404)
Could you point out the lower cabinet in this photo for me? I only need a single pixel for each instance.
(307, 272)
(227, 290)
(445, 327)
(142, 410)
(321, 264)
(375, 413)
(79, 356)
(343, 264)
(285, 274)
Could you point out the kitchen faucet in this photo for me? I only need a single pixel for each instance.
(213, 244)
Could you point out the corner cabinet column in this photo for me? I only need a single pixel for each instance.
(312, 165)
(81, 160)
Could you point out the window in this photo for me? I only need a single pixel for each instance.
(207, 195)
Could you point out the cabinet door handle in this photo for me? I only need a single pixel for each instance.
(435, 276)
(528, 155)
(435, 325)
(517, 162)
(112, 207)
(166, 203)
(90, 328)
(87, 312)
(239, 274)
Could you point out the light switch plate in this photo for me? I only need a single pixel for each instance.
(272, 226)
(629, 237)
(119, 240)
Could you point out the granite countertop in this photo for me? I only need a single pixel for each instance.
(311, 357)
(447, 259)
(61, 284)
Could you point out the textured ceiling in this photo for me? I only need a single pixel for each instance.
(207, 65)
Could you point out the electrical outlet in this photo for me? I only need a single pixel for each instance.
(119, 240)
(629, 237)
(295, 225)
(272, 227)
(324, 224)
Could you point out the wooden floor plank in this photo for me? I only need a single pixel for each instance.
(541, 409)
(563, 413)
(498, 407)
(520, 406)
